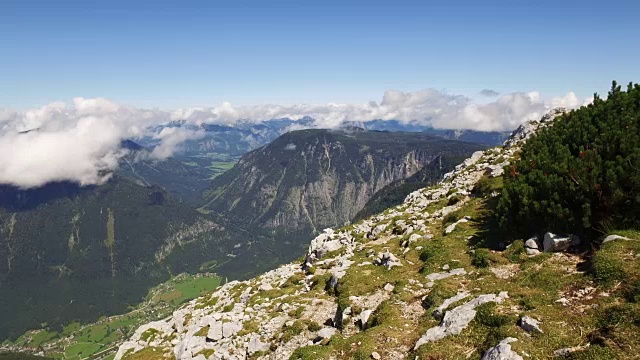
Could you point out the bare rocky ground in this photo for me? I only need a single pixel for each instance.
(410, 283)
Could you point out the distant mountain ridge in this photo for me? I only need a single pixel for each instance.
(245, 136)
(308, 180)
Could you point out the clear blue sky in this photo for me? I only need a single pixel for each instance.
(184, 53)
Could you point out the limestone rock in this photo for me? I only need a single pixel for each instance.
(364, 318)
(387, 260)
(265, 287)
(457, 319)
(326, 333)
(532, 247)
(614, 237)
(215, 331)
(446, 274)
(375, 356)
(553, 242)
(529, 324)
(449, 229)
(254, 345)
(439, 311)
(230, 328)
(502, 351)
(568, 350)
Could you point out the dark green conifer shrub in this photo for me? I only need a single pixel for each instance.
(579, 173)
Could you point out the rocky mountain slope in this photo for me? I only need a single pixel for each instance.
(307, 180)
(395, 193)
(414, 282)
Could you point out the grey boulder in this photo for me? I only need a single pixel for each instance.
(502, 351)
(553, 242)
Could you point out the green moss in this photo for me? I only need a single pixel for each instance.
(314, 352)
(594, 353)
(206, 352)
(296, 328)
(149, 335)
(293, 280)
(451, 218)
(150, 353)
(386, 313)
(297, 312)
(486, 316)
(206, 302)
(202, 332)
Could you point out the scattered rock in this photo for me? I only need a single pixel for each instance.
(325, 333)
(529, 324)
(439, 311)
(377, 230)
(389, 287)
(387, 260)
(254, 345)
(568, 350)
(215, 331)
(505, 271)
(265, 287)
(563, 301)
(444, 275)
(364, 318)
(553, 242)
(502, 351)
(614, 237)
(452, 227)
(230, 328)
(375, 356)
(457, 319)
(532, 247)
(413, 238)
(335, 278)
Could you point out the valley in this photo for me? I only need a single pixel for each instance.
(98, 339)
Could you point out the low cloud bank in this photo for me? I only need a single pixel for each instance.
(80, 141)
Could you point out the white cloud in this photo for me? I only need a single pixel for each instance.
(81, 142)
(170, 139)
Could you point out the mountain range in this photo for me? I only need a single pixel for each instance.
(307, 180)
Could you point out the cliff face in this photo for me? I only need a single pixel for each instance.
(406, 283)
(311, 179)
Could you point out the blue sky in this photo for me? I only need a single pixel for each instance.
(195, 53)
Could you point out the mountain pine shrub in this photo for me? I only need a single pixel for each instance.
(578, 174)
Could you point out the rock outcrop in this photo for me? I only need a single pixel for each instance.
(502, 351)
